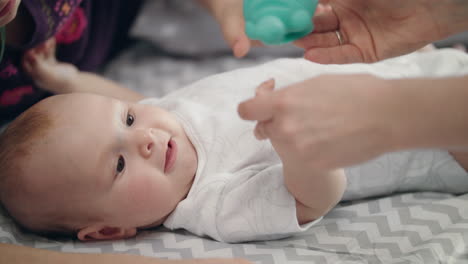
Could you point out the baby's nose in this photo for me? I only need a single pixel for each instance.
(145, 141)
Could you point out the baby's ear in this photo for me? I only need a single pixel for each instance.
(97, 232)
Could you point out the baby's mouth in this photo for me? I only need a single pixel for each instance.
(171, 155)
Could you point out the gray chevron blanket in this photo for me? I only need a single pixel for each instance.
(407, 228)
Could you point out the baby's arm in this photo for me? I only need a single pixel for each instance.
(58, 77)
(316, 192)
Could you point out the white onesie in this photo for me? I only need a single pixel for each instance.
(238, 193)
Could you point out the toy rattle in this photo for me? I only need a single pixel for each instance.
(278, 21)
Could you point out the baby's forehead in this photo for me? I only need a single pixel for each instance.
(78, 107)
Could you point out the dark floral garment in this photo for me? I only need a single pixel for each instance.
(86, 32)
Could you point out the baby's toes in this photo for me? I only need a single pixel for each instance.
(30, 63)
(49, 49)
(38, 68)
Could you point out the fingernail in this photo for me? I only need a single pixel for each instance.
(238, 49)
(235, 49)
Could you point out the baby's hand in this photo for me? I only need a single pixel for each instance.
(49, 74)
(263, 90)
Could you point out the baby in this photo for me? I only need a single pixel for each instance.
(103, 168)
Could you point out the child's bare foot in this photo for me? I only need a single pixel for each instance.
(49, 74)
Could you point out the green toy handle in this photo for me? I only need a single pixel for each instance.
(278, 21)
(2, 43)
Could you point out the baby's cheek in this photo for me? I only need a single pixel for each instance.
(139, 191)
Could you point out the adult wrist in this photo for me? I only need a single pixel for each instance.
(391, 103)
(430, 113)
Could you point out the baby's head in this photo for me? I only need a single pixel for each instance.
(94, 166)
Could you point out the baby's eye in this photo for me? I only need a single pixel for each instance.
(120, 164)
(130, 120)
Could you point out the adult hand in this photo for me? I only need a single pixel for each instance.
(230, 17)
(8, 9)
(331, 121)
(372, 30)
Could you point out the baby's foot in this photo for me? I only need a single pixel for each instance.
(49, 74)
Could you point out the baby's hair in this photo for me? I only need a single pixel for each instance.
(16, 143)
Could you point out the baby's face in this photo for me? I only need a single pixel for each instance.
(127, 164)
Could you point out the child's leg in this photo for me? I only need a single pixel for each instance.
(405, 171)
(48, 74)
(58, 77)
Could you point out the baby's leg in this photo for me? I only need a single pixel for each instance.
(405, 171)
(49, 74)
(58, 77)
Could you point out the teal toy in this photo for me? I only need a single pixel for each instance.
(278, 21)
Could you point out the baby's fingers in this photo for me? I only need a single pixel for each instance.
(266, 86)
(260, 131)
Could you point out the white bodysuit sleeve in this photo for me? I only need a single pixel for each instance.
(255, 205)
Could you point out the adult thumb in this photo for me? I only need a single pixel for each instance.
(233, 27)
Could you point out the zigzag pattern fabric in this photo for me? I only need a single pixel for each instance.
(407, 228)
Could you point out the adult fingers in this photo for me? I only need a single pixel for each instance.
(335, 55)
(234, 34)
(3, 3)
(322, 8)
(325, 20)
(319, 40)
(325, 25)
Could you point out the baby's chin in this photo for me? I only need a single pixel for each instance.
(154, 224)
